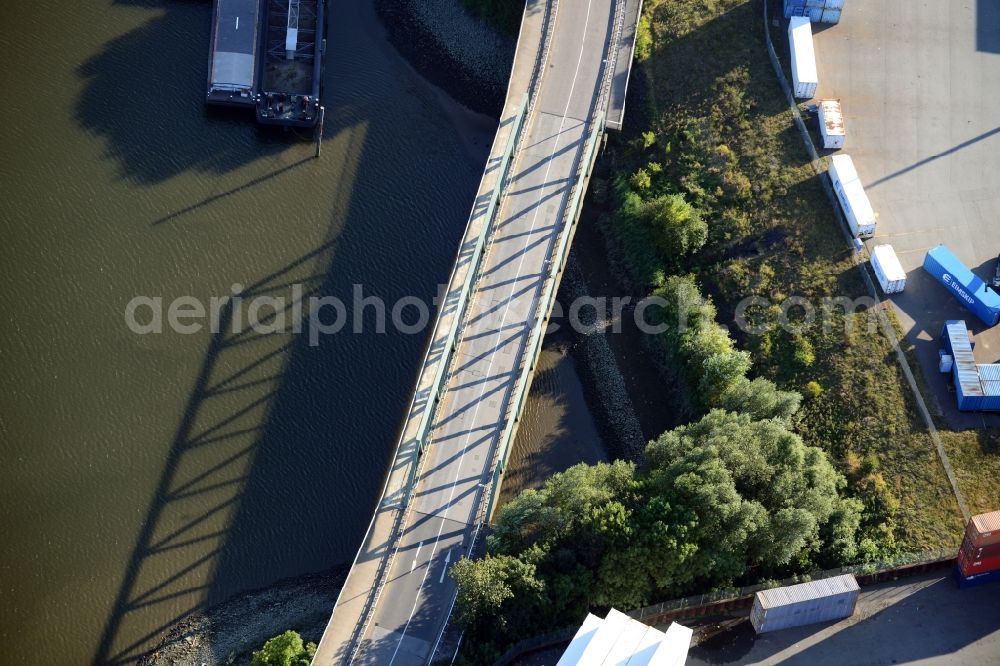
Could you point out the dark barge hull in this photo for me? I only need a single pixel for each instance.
(291, 79)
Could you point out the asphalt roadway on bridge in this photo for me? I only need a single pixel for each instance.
(415, 602)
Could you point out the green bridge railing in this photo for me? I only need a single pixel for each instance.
(544, 309)
(462, 301)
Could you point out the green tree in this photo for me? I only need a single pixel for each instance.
(786, 490)
(678, 228)
(702, 351)
(640, 180)
(721, 372)
(761, 399)
(485, 585)
(560, 507)
(286, 649)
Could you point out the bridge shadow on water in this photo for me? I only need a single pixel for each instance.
(279, 455)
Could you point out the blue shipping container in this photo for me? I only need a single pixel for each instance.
(795, 8)
(972, 392)
(818, 11)
(963, 284)
(976, 580)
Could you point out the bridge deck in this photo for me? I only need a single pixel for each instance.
(438, 525)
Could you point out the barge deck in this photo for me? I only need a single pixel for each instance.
(292, 62)
(232, 63)
(268, 54)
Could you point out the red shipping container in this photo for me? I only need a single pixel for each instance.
(984, 529)
(974, 552)
(970, 567)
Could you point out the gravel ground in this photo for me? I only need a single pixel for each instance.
(231, 631)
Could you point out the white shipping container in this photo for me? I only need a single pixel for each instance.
(888, 270)
(800, 42)
(807, 603)
(831, 124)
(945, 362)
(851, 193)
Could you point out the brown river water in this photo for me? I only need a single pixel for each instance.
(143, 477)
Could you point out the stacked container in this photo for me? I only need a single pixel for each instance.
(977, 386)
(979, 558)
(805, 80)
(818, 11)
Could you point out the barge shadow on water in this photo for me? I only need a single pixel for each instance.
(269, 54)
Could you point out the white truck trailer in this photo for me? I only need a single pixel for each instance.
(800, 44)
(889, 272)
(857, 208)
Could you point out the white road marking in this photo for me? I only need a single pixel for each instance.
(444, 569)
(534, 219)
(237, 22)
(416, 556)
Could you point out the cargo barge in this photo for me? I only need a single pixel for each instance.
(232, 60)
(268, 54)
(292, 62)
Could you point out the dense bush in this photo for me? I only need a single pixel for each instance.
(720, 139)
(286, 649)
(725, 499)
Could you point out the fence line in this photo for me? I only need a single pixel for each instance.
(728, 599)
(914, 560)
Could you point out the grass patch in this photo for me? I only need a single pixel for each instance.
(975, 456)
(713, 128)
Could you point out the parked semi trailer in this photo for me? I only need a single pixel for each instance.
(967, 287)
(831, 124)
(851, 193)
(889, 272)
(800, 45)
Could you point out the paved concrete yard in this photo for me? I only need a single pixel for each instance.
(920, 85)
(925, 620)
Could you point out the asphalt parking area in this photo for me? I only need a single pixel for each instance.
(920, 87)
(925, 619)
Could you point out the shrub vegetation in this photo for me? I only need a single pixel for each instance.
(804, 449)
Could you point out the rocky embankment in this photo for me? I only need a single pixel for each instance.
(230, 632)
(452, 49)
